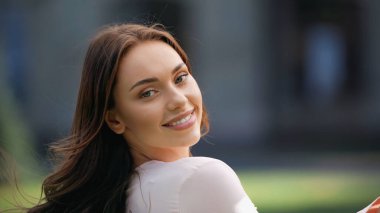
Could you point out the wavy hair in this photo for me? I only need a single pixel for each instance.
(94, 165)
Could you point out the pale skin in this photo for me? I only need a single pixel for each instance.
(158, 104)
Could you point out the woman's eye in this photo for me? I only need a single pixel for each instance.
(181, 78)
(148, 94)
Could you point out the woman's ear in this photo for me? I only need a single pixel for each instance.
(114, 122)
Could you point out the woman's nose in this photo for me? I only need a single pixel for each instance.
(176, 99)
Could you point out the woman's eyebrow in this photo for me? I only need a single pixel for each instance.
(179, 66)
(154, 79)
(144, 81)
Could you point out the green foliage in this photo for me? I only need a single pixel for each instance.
(22, 194)
(16, 139)
(310, 191)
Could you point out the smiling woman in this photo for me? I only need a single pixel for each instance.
(158, 105)
(139, 111)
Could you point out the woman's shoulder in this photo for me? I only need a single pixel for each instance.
(214, 187)
(200, 162)
(209, 168)
(211, 171)
(188, 163)
(189, 182)
(191, 169)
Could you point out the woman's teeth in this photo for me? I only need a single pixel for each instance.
(183, 120)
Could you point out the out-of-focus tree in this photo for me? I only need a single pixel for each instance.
(16, 140)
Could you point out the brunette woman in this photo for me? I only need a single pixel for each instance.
(139, 111)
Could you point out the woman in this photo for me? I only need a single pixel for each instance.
(139, 111)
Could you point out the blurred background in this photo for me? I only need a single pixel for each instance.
(291, 86)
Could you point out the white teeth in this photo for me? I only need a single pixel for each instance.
(183, 120)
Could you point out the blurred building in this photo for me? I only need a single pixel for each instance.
(289, 74)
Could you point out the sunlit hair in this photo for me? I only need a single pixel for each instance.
(94, 165)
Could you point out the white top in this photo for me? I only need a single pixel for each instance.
(188, 185)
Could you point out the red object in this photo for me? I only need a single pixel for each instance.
(375, 207)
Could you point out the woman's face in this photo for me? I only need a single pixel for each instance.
(158, 104)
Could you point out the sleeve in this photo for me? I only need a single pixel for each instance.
(214, 188)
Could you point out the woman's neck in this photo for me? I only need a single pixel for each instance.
(161, 154)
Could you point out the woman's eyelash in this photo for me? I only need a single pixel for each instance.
(181, 78)
(148, 93)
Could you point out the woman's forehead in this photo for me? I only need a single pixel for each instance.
(149, 57)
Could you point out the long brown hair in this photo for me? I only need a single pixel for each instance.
(94, 164)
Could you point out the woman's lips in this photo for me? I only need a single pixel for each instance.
(183, 122)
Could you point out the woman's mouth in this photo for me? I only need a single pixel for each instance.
(182, 122)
